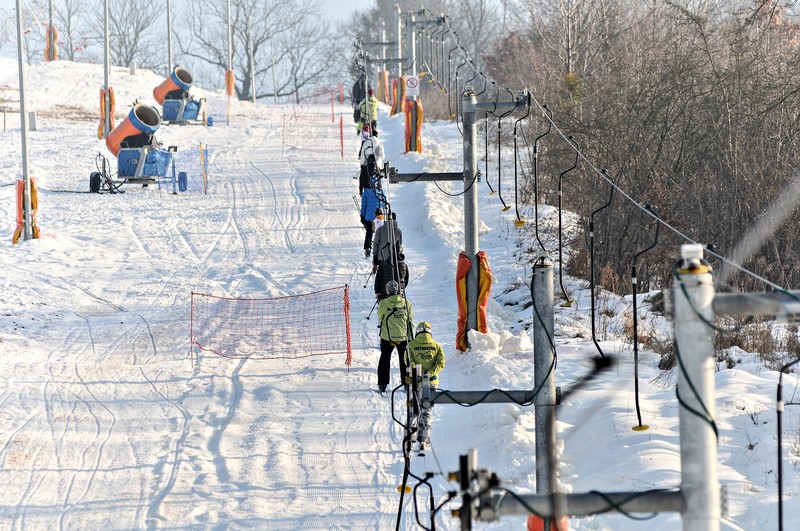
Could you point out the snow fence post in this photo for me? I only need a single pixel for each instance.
(693, 294)
(543, 375)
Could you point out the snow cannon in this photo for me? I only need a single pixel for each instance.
(137, 128)
(140, 158)
(175, 87)
(178, 106)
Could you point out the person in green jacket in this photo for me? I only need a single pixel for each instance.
(424, 351)
(397, 323)
(369, 112)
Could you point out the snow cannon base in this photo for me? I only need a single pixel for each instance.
(143, 164)
(185, 112)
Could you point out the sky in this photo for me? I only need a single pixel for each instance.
(110, 418)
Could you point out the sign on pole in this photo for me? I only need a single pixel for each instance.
(412, 86)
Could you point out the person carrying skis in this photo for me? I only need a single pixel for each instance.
(359, 92)
(370, 156)
(371, 204)
(424, 351)
(396, 327)
(388, 241)
(392, 269)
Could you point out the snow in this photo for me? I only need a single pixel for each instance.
(106, 422)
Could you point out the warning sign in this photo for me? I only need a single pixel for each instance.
(412, 86)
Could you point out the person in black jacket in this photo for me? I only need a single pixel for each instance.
(359, 93)
(388, 271)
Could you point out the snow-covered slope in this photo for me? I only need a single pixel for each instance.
(105, 421)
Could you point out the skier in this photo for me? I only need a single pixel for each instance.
(388, 241)
(393, 269)
(370, 205)
(369, 111)
(370, 156)
(378, 221)
(424, 351)
(359, 91)
(396, 326)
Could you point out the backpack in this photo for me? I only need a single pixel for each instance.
(395, 322)
(372, 166)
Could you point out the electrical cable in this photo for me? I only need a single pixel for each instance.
(560, 231)
(486, 151)
(519, 222)
(592, 268)
(635, 286)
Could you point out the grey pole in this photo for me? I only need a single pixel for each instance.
(411, 45)
(27, 230)
(106, 68)
(383, 39)
(230, 62)
(544, 377)
(252, 59)
(398, 37)
(169, 37)
(693, 295)
(51, 39)
(470, 120)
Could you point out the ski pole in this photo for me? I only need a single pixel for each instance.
(369, 277)
(373, 309)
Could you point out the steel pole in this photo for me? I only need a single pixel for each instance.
(693, 295)
(398, 37)
(252, 59)
(27, 230)
(470, 120)
(230, 62)
(544, 374)
(169, 37)
(106, 68)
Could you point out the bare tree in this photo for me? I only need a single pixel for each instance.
(133, 37)
(72, 28)
(267, 26)
(305, 65)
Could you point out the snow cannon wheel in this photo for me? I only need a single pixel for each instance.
(94, 182)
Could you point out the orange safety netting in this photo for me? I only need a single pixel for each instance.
(300, 326)
(414, 115)
(484, 287)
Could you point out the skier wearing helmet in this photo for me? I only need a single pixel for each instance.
(424, 351)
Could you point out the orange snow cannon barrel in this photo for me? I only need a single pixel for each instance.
(179, 79)
(142, 119)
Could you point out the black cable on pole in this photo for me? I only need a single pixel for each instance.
(560, 243)
(499, 165)
(780, 440)
(591, 265)
(486, 152)
(635, 283)
(519, 222)
(449, 84)
(536, 174)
